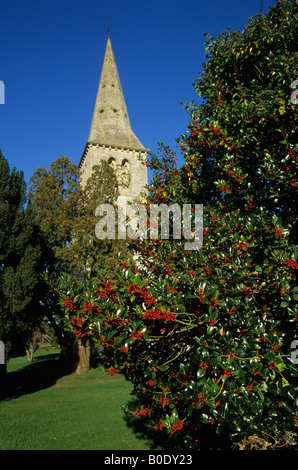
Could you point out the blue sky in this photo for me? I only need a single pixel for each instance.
(51, 54)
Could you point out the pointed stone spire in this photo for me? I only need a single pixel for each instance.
(110, 124)
(111, 138)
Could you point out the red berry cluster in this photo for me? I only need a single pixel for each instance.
(106, 291)
(291, 264)
(141, 412)
(136, 335)
(88, 307)
(158, 315)
(76, 321)
(70, 304)
(177, 426)
(113, 371)
(143, 292)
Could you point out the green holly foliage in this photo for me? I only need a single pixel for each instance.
(205, 335)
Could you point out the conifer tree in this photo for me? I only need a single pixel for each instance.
(21, 288)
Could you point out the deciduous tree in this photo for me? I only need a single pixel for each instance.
(65, 212)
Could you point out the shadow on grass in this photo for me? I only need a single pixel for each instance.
(41, 373)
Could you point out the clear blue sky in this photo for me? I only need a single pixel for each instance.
(51, 54)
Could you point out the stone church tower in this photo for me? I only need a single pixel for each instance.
(111, 137)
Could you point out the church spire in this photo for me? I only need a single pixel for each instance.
(111, 138)
(110, 123)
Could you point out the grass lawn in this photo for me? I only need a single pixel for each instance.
(51, 411)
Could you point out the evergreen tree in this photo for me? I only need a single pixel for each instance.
(20, 262)
(55, 196)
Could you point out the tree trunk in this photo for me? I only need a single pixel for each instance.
(29, 353)
(31, 348)
(66, 343)
(84, 352)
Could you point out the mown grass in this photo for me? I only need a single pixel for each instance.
(48, 410)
